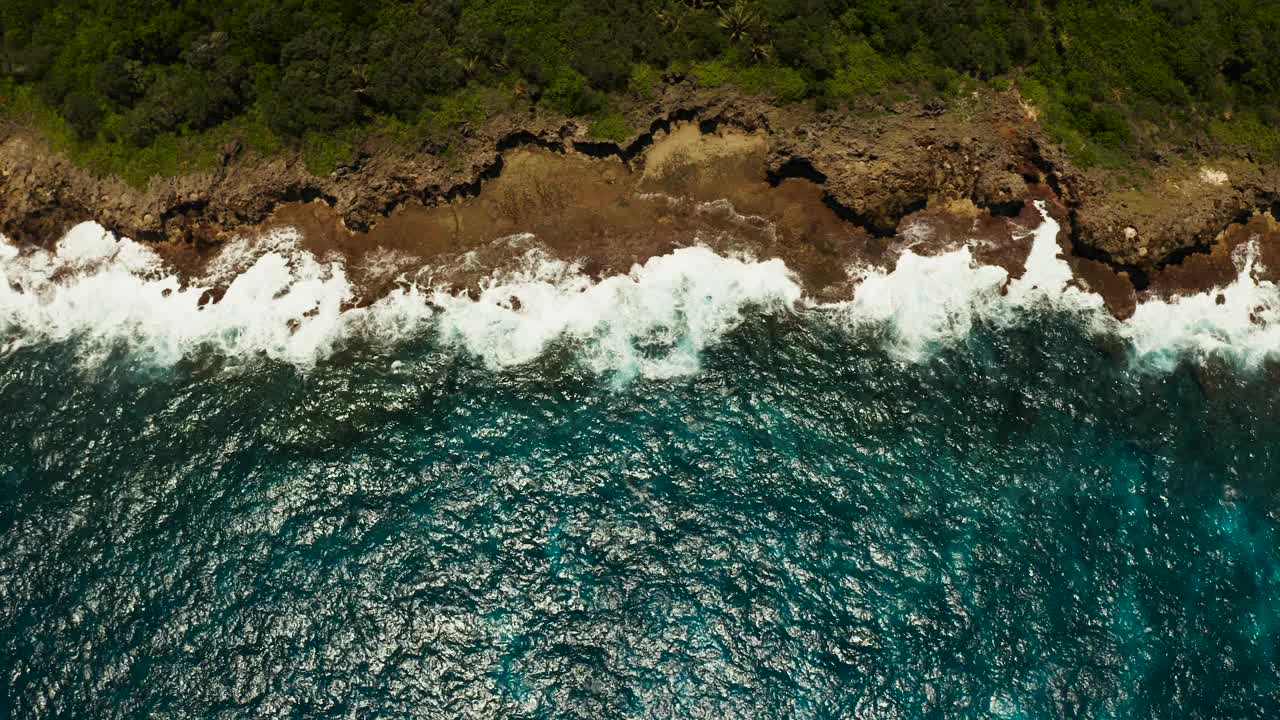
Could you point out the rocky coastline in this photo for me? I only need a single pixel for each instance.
(834, 188)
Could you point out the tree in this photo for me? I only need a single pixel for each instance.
(83, 113)
(569, 93)
(411, 55)
(740, 21)
(317, 90)
(120, 79)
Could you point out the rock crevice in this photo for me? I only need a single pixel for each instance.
(873, 172)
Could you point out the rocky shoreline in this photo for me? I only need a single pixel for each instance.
(835, 189)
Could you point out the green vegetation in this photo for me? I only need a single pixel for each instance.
(149, 86)
(611, 126)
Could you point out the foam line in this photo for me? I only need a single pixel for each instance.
(106, 294)
(929, 303)
(678, 303)
(283, 303)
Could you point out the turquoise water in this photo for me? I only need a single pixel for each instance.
(1020, 526)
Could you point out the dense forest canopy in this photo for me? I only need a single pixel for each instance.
(1107, 74)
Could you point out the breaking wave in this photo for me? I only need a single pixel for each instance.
(930, 302)
(283, 303)
(280, 302)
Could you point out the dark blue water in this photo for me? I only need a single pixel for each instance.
(1019, 527)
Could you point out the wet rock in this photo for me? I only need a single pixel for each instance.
(872, 171)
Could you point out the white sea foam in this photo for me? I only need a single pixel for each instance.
(923, 304)
(1239, 322)
(654, 321)
(280, 302)
(930, 302)
(106, 292)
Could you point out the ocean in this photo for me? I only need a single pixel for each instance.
(687, 491)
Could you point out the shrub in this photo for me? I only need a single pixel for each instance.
(570, 94)
(317, 89)
(862, 71)
(443, 116)
(136, 72)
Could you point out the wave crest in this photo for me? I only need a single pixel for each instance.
(929, 302)
(281, 302)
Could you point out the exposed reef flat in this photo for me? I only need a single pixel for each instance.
(821, 191)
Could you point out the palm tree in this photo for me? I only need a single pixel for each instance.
(739, 20)
(670, 14)
(470, 65)
(502, 65)
(360, 78)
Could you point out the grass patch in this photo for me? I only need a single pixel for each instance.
(446, 116)
(1248, 131)
(711, 74)
(322, 153)
(644, 81)
(783, 84)
(610, 126)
